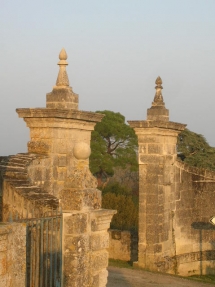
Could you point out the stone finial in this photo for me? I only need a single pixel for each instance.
(158, 112)
(62, 79)
(62, 95)
(158, 95)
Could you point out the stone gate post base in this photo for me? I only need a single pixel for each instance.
(85, 238)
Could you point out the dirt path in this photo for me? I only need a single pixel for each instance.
(123, 277)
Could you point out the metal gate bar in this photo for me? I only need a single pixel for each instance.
(43, 251)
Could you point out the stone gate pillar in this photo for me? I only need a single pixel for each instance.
(61, 134)
(58, 131)
(157, 138)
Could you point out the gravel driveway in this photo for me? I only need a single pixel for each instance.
(123, 277)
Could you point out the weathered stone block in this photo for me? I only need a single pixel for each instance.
(76, 223)
(152, 178)
(160, 180)
(155, 168)
(155, 149)
(169, 160)
(170, 149)
(76, 244)
(77, 281)
(87, 199)
(142, 174)
(95, 281)
(81, 177)
(42, 147)
(103, 275)
(159, 227)
(151, 228)
(150, 238)
(142, 237)
(3, 244)
(12, 254)
(158, 248)
(152, 199)
(41, 133)
(62, 160)
(168, 177)
(156, 113)
(143, 149)
(4, 280)
(99, 241)
(147, 139)
(75, 264)
(150, 159)
(38, 174)
(3, 263)
(99, 260)
(151, 209)
(60, 146)
(160, 189)
(61, 173)
(164, 236)
(151, 188)
(62, 99)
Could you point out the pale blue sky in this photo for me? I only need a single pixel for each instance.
(116, 49)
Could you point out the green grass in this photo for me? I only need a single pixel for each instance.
(128, 264)
(203, 278)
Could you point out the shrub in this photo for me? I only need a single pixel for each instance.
(127, 213)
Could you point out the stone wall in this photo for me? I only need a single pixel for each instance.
(123, 245)
(194, 235)
(22, 190)
(12, 254)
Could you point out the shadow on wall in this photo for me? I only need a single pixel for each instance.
(205, 255)
(134, 247)
(3, 166)
(123, 245)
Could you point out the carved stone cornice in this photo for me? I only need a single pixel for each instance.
(59, 113)
(157, 124)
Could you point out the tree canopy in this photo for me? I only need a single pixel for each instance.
(113, 144)
(194, 150)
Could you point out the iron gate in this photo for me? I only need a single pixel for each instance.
(43, 251)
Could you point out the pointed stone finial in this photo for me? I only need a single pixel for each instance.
(158, 112)
(62, 79)
(62, 95)
(158, 95)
